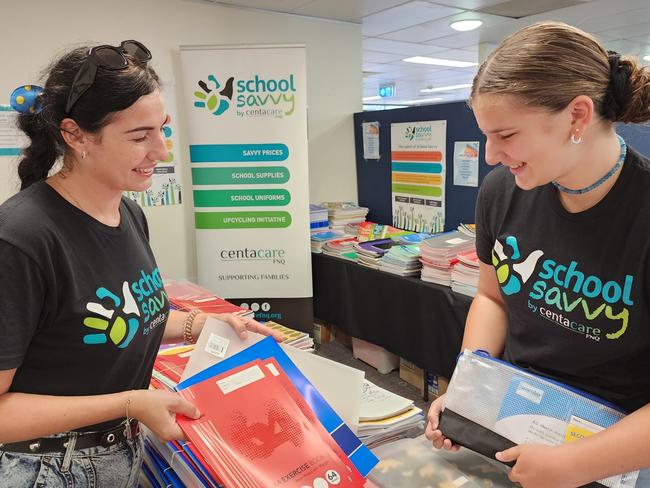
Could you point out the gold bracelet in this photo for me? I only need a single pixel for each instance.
(129, 434)
(187, 326)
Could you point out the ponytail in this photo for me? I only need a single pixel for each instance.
(636, 109)
(42, 152)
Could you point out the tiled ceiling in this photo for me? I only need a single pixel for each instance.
(397, 29)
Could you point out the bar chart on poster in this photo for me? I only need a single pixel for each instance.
(418, 167)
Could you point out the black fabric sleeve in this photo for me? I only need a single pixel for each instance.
(22, 289)
(484, 237)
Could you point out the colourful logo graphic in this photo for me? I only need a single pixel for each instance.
(118, 325)
(511, 270)
(217, 102)
(471, 151)
(418, 132)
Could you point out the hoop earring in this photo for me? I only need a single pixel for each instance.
(575, 140)
(83, 153)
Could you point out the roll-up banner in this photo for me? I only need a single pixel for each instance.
(247, 128)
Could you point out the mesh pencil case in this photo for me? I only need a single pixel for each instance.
(492, 405)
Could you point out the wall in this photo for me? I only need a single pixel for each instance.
(36, 32)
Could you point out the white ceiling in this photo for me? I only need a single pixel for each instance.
(397, 29)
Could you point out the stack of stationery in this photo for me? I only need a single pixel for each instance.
(257, 429)
(414, 238)
(464, 275)
(169, 366)
(353, 228)
(369, 253)
(370, 231)
(263, 419)
(292, 337)
(402, 260)
(183, 295)
(318, 220)
(318, 239)
(342, 213)
(386, 416)
(169, 465)
(468, 229)
(439, 253)
(341, 248)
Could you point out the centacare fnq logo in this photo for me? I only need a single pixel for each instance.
(255, 96)
(275, 256)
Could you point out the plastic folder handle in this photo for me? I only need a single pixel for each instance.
(464, 432)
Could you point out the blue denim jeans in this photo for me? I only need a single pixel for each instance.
(117, 466)
(643, 481)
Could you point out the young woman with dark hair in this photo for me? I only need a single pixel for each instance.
(83, 305)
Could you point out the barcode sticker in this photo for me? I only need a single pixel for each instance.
(217, 345)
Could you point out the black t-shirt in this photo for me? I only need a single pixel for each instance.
(575, 284)
(83, 307)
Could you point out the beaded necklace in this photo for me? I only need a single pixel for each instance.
(602, 180)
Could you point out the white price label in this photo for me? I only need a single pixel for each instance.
(217, 345)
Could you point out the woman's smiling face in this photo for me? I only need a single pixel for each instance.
(530, 141)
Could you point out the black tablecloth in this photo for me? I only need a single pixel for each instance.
(419, 321)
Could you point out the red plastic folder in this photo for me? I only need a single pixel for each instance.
(257, 431)
(172, 365)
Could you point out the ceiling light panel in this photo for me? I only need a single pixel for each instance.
(466, 25)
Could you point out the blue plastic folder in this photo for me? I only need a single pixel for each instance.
(359, 454)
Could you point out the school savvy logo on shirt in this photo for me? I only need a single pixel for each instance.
(565, 295)
(142, 302)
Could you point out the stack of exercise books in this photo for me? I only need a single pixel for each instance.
(386, 417)
(464, 275)
(468, 229)
(341, 214)
(319, 239)
(403, 260)
(414, 237)
(183, 295)
(341, 248)
(263, 423)
(291, 337)
(353, 228)
(369, 253)
(439, 253)
(370, 231)
(318, 218)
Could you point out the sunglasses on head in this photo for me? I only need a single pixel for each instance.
(107, 57)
